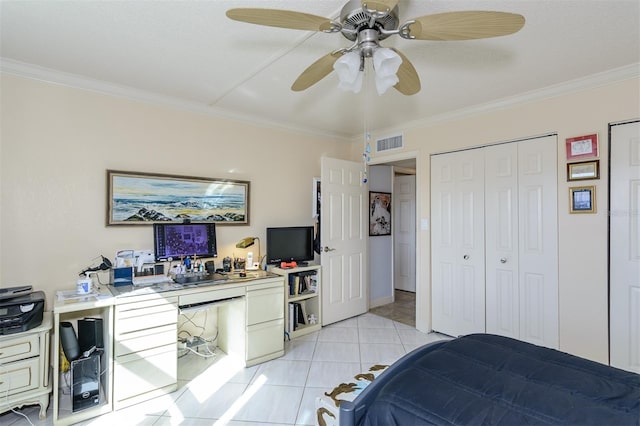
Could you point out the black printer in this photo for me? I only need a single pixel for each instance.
(21, 309)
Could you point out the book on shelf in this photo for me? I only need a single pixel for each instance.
(297, 316)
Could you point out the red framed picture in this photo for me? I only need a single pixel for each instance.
(582, 147)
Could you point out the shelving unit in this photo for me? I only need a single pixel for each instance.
(301, 300)
(100, 307)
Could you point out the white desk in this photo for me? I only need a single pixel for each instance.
(140, 335)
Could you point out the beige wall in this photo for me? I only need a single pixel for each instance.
(58, 142)
(582, 238)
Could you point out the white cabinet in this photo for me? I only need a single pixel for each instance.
(145, 351)
(24, 368)
(265, 322)
(494, 241)
(71, 311)
(303, 287)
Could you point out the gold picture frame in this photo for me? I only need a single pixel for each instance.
(582, 199)
(135, 198)
(583, 170)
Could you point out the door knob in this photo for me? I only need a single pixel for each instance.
(465, 257)
(326, 249)
(503, 260)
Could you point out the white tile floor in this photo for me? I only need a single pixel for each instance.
(278, 392)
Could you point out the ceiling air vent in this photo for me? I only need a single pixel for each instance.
(389, 143)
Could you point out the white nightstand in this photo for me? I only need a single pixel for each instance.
(24, 368)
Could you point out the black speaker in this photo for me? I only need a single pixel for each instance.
(69, 341)
(90, 334)
(85, 384)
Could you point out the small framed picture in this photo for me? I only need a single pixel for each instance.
(583, 170)
(582, 147)
(379, 213)
(582, 199)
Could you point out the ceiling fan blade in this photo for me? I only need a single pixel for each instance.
(409, 83)
(380, 5)
(315, 72)
(280, 18)
(465, 25)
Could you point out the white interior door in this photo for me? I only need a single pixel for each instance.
(624, 271)
(404, 232)
(522, 240)
(344, 240)
(457, 242)
(501, 225)
(538, 241)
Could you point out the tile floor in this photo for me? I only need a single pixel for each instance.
(278, 392)
(403, 308)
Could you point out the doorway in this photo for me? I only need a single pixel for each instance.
(393, 285)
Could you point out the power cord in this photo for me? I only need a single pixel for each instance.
(6, 399)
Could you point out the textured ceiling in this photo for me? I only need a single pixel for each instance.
(188, 53)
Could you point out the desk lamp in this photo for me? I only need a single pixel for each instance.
(248, 242)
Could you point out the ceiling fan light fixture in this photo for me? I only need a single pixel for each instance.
(386, 63)
(348, 69)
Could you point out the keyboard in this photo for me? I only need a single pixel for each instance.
(151, 280)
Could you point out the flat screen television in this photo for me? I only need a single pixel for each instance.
(175, 240)
(286, 244)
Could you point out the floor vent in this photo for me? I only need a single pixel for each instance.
(389, 143)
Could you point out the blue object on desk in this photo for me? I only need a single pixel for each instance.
(122, 276)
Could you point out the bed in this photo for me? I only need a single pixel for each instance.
(488, 379)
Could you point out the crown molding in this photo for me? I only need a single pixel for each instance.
(615, 75)
(48, 75)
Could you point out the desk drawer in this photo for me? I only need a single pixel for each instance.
(146, 339)
(265, 305)
(131, 320)
(144, 372)
(264, 339)
(199, 297)
(19, 348)
(19, 376)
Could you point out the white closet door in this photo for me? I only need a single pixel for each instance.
(624, 271)
(538, 241)
(501, 201)
(457, 211)
(522, 240)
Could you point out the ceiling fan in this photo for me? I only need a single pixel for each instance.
(367, 22)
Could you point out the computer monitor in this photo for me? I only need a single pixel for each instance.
(286, 244)
(176, 240)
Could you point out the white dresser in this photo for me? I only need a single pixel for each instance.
(24, 368)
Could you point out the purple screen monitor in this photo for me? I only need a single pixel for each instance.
(179, 240)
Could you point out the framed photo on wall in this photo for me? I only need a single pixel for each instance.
(582, 199)
(583, 170)
(582, 147)
(379, 213)
(135, 198)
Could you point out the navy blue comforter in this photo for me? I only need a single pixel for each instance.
(487, 379)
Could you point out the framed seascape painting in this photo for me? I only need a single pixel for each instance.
(145, 198)
(379, 213)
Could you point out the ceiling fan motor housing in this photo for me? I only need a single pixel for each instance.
(354, 19)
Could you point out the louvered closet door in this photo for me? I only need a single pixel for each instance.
(522, 240)
(457, 242)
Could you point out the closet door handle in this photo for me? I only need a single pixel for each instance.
(327, 249)
(503, 260)
(465, 257)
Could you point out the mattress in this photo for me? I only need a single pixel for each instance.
(488, 379)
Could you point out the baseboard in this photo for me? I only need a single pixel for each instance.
(380, 302)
